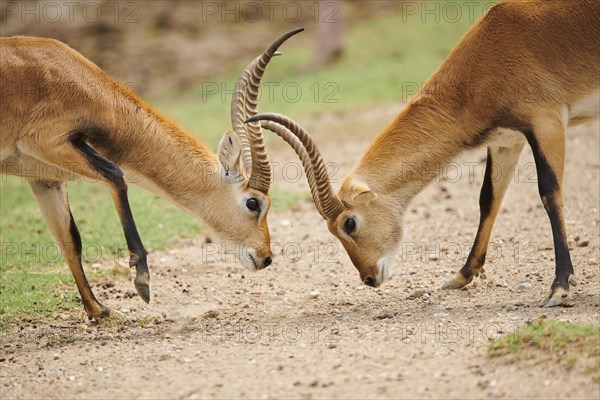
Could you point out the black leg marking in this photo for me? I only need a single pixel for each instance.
(550, 192)
(486, 196)
(113, 174)
(76, 238)
(476, 257)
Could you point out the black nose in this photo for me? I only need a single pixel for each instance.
(267, 262)
(369, 281)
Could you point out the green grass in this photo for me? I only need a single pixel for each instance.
(544, 341)
(380, 55)
(34, 278)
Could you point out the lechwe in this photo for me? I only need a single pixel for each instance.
(64, 118)
(522, 74)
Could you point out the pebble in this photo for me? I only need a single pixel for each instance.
(511, 307)
(524, 286)
(584, 243)
(418, 293)
(313, 294)
(385, 315)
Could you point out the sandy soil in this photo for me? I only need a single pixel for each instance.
(307, 328)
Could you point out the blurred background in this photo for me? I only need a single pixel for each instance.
(183, 57)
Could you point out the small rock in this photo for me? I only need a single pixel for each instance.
(524, 286)
(385, 315)
(313, 294)
(211, 314)
(511, 307)
(416, 294)
(314, 383)
(583, 243)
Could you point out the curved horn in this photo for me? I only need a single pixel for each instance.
(244, 104)
(298, 147)
(329, 203)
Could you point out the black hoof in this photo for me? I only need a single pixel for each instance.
(143, 289)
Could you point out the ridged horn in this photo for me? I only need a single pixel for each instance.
(298, 147)
(243, 105)
(329, 205)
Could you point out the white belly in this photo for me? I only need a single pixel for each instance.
(504, 137)
(586, 108)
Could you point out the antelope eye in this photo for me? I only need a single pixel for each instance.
(252, 204)
(350, 225)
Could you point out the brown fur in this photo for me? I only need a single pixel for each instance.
(50, 92)
(522, 66)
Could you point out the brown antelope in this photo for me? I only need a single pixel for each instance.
(64, 118)
(522, 74)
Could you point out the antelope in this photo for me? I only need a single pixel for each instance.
(521, 75)
(64, 118)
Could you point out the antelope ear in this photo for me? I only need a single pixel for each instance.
(229, 154)
(362, 193)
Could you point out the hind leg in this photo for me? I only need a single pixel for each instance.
(547, 141)
(52, 199)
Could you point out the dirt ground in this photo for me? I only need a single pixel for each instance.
(307, 328)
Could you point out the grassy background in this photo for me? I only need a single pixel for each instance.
(557, 343)
(380, 56)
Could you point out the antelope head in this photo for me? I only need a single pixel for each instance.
(368, 225)
(242, 201)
